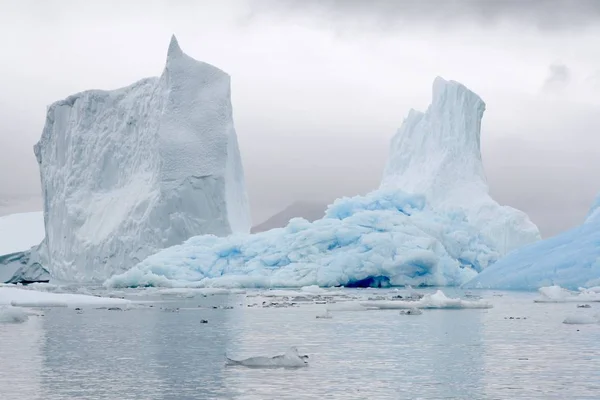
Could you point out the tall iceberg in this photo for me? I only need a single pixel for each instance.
(438, 154)
(131, 171)
(388, 237)
(570, 260)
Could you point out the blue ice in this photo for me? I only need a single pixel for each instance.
(570, 260)
(387, 237)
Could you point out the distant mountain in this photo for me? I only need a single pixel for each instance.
(307, 210)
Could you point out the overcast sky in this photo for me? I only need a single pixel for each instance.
(320, 87)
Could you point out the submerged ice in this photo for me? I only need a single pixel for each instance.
(443, 234)
(131, 171)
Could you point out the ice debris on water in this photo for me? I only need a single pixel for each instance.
(557, 294)
(437, 300)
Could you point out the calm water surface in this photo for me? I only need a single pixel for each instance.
(148, 353)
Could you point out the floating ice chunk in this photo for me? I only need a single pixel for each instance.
(556, 294)
(291, 359)
(12, 315)
(577, 319)
(33, 298)
(435, 300)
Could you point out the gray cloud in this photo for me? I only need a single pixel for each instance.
(558, 76)
(393, 14)
(315, 111)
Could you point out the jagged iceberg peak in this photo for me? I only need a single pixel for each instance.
(435, 150)
(174, 48)
(438, 154)
(130, 171)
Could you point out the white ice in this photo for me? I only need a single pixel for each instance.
(437, 300)
(557, 294)
(23, 297)
(438, 154)
(131, 171)
(290, 359)
(387, 237)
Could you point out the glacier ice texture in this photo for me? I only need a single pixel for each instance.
(388, 237)
(570, 259)
(131, 171)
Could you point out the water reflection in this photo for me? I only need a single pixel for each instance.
(21, 359)
(154, 354)
(376, 354)
(539, 357)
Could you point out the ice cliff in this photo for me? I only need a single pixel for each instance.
(131, 171)
(570, 260)
(443, 234)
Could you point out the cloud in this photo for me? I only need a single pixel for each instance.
(559, 76)
(547, 15)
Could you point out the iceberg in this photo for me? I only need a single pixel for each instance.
(570, 260)
(438, 154)
(131, 171)
(388, 237)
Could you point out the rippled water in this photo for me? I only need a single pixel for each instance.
(147, 353)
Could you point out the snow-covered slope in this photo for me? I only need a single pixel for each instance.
(386, 237)
(437, 153)
(570, 260)
(131, 171)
